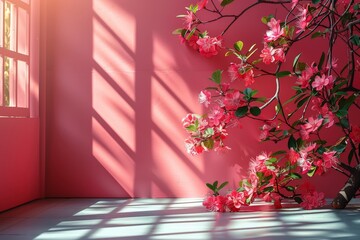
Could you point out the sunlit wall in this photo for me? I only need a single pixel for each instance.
(118, 85)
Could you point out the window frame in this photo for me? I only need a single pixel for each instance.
(15, 110)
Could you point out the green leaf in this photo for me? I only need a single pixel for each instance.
(192, 128)
(208, 132)
(193, 8)
(179, 31)
(226, 2)
(215, 184)
(321, 150)
(268, 189)
(315, 1)
(222, 185)
(209, 143)
(241, 111)
(344, 123)
(270, 161)
(339, 148)
(210, 186)
(290, 188)
(317, 34)
(260, 175)
(351, 155)
(294, 176)
(321, 61)
(302, 102)
(283, 74)
(191, 33)
(292, 143)
(256, 61)
(278, 153)
(256, 111)
(296, 60)
(298, 200)
(312, 171)
(341, 113)
(238, 45)
(216, 76)
(355, 39)
(264, 20)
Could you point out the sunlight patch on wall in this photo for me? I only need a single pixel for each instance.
(114, 45)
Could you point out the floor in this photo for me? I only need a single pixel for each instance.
(183, 218)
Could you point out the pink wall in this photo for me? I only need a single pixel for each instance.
(118, 85)
(20, 168)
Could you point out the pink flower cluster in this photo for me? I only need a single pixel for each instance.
(312, 199)
(274, 49)
(231, 202)
(241, 71)
(304, 18)
(206, 45)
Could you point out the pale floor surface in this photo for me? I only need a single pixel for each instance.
(183, 218)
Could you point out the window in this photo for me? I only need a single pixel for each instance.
(14, 58)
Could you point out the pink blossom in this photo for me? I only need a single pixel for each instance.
(333, 63)
(303, 80)
(202, 4)
(189, 19)
(323, 81)
(249, 78)
(208, 46)
(275, 31)
(305, 165)
(312, 200)
(330, 160)
(188, 120)
(293, 156)
(216, 115)
(294, 3)
(267, 55)
(329, 117)
(233, 71)
(182, 39)
(279, 54)
(224, 87)
(215, 203)
(319, 167)
(205, 98)
(235, 200)
(270, 55)
(192, 42)
(303, 18)
(264, 132)
(232, 100)
(240, 71)
(303, 161)
(311, 126)
(193, 147)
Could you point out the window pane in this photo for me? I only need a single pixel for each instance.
(22, 84)
(10, 26)
(9, 82)
(23, 31)
(1, 82)
(1, 22)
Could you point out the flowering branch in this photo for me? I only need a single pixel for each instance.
(323, 97)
